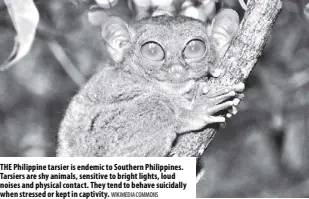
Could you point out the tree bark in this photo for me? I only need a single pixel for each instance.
(237, 63)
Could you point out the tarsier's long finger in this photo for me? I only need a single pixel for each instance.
(236, 101)
(224, 97)
(214, 119)
(220, 107)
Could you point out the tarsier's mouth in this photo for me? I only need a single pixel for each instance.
(182, 88)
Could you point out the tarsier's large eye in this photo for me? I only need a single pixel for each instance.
(195, 48)
(152, 51)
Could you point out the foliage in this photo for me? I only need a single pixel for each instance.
(25, 18)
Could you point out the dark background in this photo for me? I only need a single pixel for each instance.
(262, 152)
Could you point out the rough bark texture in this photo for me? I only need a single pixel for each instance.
(237, 64)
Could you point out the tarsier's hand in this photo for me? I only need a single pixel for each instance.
(206, 105)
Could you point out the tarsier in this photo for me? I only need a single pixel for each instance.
(152, 89)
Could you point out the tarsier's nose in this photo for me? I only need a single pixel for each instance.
(177, 71)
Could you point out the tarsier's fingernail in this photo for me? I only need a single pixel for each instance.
(216, 72)
(229, 115)
(236, 101)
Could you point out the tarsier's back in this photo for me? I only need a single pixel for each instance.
(150, 91)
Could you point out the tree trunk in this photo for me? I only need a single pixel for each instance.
(237, 64)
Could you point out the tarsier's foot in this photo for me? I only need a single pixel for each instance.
(210, 104)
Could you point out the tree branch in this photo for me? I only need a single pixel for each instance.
(237, 64)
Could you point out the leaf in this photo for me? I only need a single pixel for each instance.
(25, 18)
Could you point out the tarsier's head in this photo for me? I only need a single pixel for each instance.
(168, 49)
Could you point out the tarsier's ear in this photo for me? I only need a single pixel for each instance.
(223, 29)
(116, 35)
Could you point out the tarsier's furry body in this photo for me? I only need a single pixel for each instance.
(139, 103)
